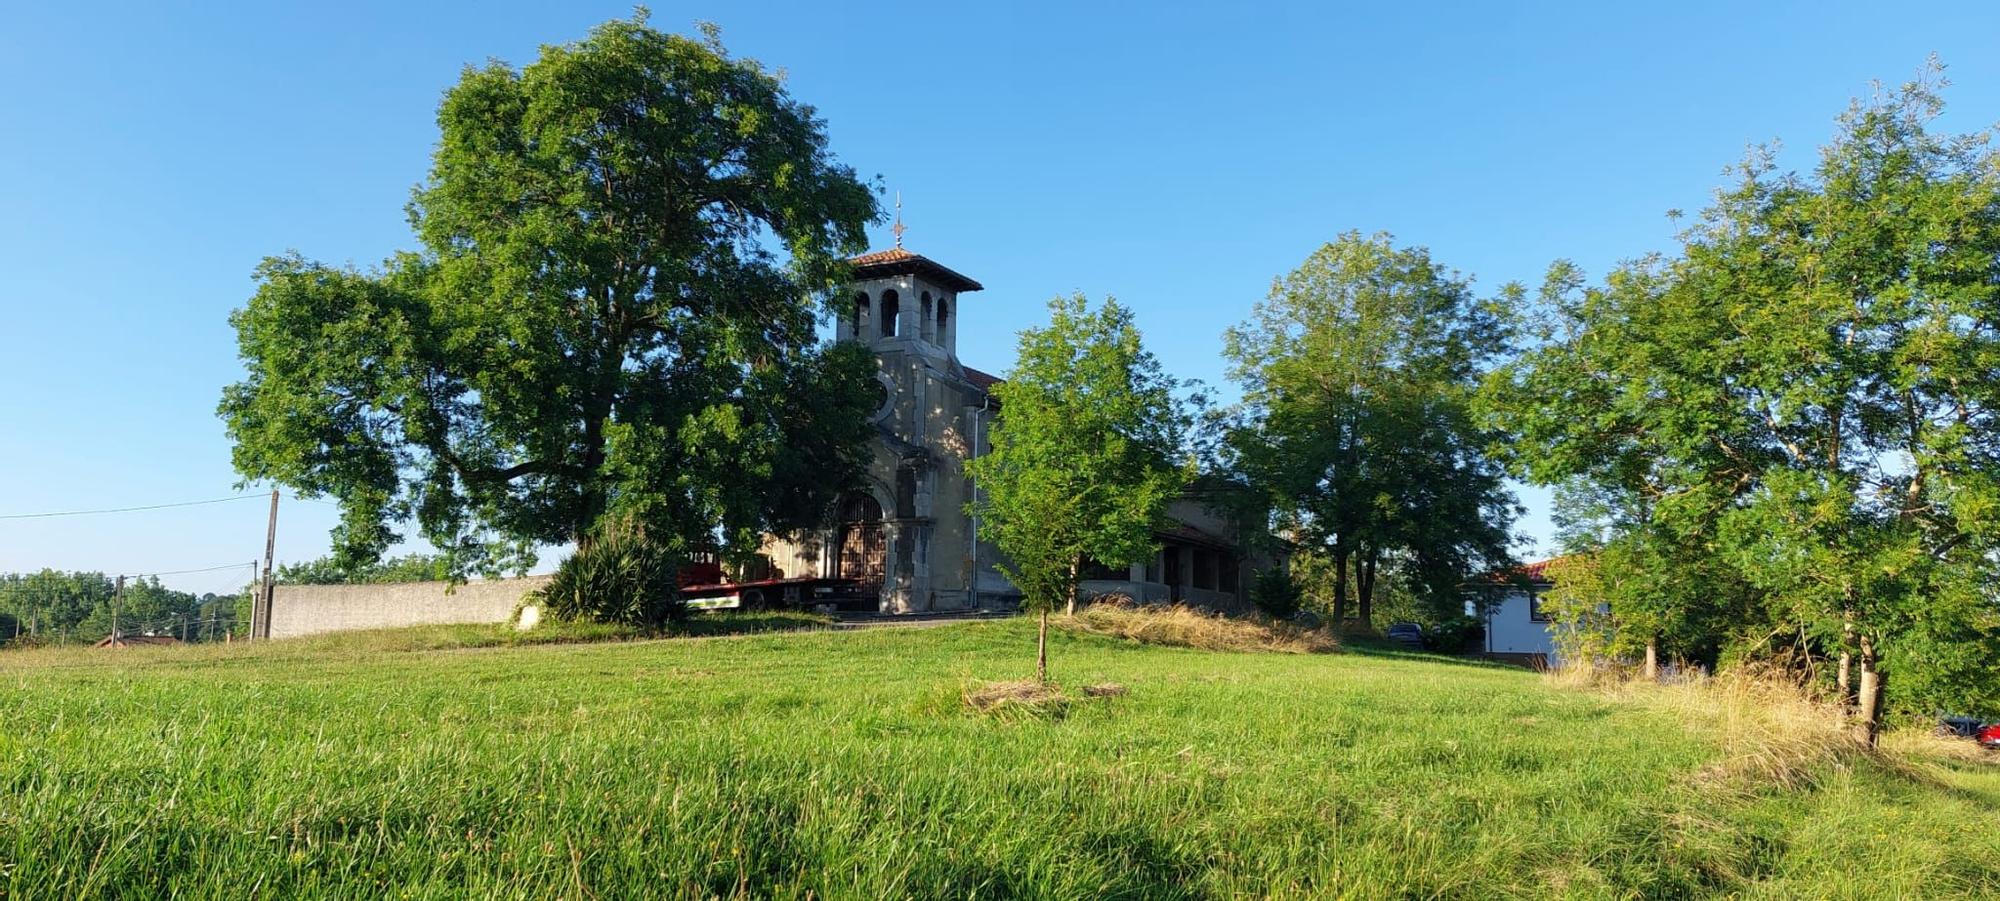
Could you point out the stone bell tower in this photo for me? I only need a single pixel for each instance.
(904, 307)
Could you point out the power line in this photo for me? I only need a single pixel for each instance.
(183, 572)
(219, 500)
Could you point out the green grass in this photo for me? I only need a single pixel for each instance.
(844, 765)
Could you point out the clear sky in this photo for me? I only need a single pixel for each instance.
(1176, 157)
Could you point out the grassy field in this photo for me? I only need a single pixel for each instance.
(845, 765)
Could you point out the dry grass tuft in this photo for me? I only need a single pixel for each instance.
(1186, 627)
(1023, 698)
(1916, 744)
(1773, 735)
(1104, 690)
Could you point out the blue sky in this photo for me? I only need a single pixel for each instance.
(1177, 157)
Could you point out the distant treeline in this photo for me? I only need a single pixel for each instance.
(52, 607)
(328, 571)
(55, 607)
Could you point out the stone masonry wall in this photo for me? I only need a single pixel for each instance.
(313, 609)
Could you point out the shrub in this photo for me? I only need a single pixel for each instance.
(620, 577)
(1275, 593)
(1456, 635)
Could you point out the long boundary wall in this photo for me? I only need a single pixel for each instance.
(314, 609)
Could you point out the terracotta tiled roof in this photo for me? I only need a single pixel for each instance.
(878, 257)
(897, 261)
(984, 381)
(1537, 571)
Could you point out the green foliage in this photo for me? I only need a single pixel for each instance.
(51, 607)
(620, 577)
(1356, 426)
(1086, 452)
(610, 312)
(782, 766)
(1579, 609)
(330, 571)
(1454, 635)
(1275, 594)
(1793, 416)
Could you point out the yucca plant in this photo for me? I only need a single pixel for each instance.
(619, 576)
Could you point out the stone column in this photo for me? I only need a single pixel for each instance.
(892, 569)
(909, 318)
(919, 597)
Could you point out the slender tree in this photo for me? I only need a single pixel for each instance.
(610, 311)
(1356, 425)
(1088, 450)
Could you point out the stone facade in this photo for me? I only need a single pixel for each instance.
(909, 530)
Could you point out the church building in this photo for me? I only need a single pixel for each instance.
(907, 537)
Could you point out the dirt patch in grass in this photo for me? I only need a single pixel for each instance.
(1187, 627)
(1104, 690)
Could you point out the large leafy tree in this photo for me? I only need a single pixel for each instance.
(611, 310)
(1647, 451)
(1087, 452)
(1863, 311)
(1817, 370)
(1356, 425)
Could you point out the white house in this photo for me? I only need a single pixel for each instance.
(1516, 626)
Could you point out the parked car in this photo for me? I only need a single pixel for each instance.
(1989, 737)
(1960, 726)
(1407, 633)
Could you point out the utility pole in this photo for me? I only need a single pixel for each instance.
(251, 589)
(117, 600)
(261, 610)
(255, 589)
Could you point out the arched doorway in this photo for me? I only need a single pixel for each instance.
(860, 555)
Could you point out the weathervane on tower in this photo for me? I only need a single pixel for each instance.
(898, 228)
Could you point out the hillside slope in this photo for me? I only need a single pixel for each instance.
(844, 765)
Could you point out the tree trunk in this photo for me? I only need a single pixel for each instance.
(598, 410)
(1075, 570)
(1653, 659)
(1871, 694)
(1365, 611)
(1844, 679)
(590, 502)
(1042, 649)
(1339, 591)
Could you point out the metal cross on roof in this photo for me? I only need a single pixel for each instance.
(898, 228)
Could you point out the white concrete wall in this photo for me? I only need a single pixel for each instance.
(298, 610)
(1511, 629)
